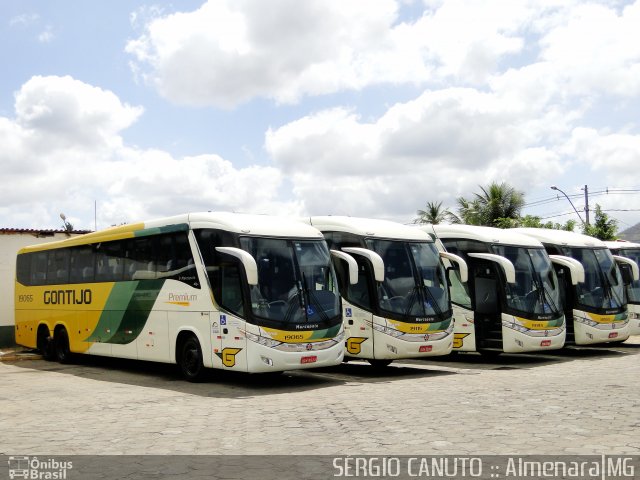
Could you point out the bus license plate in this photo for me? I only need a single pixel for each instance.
(545, 343)
(310, 359)
(426, 348)
(613, 334)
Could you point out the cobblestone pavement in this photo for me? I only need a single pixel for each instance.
(578, 401)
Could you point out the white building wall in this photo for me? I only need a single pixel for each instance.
(10, 243)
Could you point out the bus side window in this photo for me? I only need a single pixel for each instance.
(23, 268)
(175, 261)
(39, 268)
(459, 291)
(139, 260)
(109, 262)
(58, 267)
(224, 271)
(82, 264)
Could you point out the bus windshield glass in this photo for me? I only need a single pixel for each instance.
(414, 283)
(536, 291)
(633, 290)
(296, 281)
(603, 287)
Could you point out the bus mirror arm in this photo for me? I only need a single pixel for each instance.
(249, 263)
(373, 257)
(635, 273)
(464, 269)
(353, 265)
(575, 267)
(505, 263)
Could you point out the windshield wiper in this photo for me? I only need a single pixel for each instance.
(310, 294)
(610, 292)
(431, 298)
(292, 305)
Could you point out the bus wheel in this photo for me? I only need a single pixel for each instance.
(61, 345)
(379, 363)
(190, 359)
(44, 343)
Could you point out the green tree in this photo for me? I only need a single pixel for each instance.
(435, 214)
(604, 227)
(497, 201)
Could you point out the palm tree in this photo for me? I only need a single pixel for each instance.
(498, 200)
(435, 214)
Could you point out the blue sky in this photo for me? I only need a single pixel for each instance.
(318, 107)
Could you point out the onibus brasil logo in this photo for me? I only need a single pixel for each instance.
(37, 469)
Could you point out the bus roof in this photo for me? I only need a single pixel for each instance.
(561, 237)
(248, 224)
(368, 227)
(485, 234)
(616, 246)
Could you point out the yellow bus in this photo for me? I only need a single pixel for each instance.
(249, 293)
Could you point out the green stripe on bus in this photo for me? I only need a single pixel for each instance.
(328, 333)
(113, 311)
(138, 310)
(178, 227)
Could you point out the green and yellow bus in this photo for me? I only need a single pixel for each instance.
(240, 292)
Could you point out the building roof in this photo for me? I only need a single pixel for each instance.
(40, 231)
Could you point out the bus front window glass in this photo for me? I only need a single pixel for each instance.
(633, 290)
(414, 282)
(536, 288)
(602, 287)
(296, 283)
(431, 275)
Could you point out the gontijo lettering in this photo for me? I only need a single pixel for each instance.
(67, 297)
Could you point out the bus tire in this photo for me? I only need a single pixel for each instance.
(44, 343)
(190, 359)
(61, 345)
(377, 363)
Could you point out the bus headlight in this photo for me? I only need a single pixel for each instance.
(387, 331)
(586, 321)
(260, 340)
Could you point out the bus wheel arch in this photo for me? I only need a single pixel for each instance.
(44, 342)
(61, 349)
(189, 356)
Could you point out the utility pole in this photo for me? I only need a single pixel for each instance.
(586, 204)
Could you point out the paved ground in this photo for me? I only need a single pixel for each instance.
(578, 401)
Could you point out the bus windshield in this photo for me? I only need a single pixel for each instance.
(296, 281)
(536, 291)
(633, 290)
(603, 287)
(414, 282)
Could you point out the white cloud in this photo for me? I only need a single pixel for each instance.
(63, 151)
(596, 49)
(233, 51)
(439, 146)
(62, 111)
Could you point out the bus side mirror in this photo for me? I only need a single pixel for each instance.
(373, 257)
(351, 262)
(631, 267)
(462, 265)
(627, 273)
(576, 270)
(248, 262)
